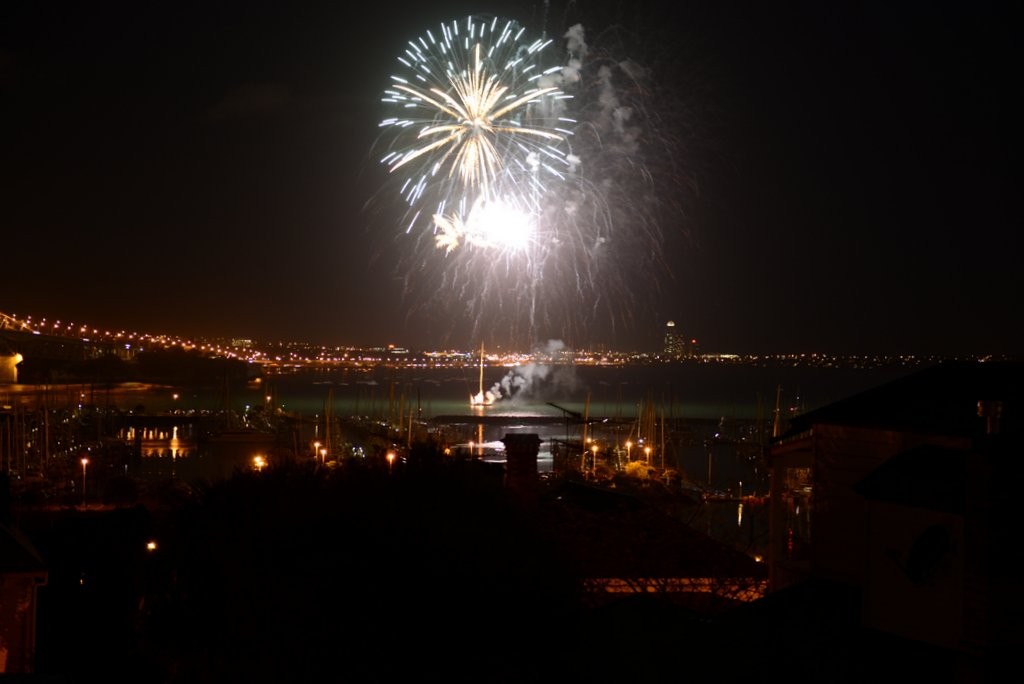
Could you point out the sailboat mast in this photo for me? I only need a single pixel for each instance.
(481, 371)
(776, 424)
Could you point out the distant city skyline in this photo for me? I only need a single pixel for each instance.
(256, 349)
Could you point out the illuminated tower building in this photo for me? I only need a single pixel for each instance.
(674, 342)
(676, 345)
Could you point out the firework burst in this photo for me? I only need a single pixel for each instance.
(534, 195)
(475, 122)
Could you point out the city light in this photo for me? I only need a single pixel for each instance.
(282, 357)
(85, 463)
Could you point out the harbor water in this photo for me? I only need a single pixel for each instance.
(704, 422)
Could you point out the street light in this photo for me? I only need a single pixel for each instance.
(259, 463)
(323, 456)
(316, 449)
(85, 462)
(593, 460)
(391, 461)
(647, 450)
(629, 445)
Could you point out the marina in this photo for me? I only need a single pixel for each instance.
(694, 433)
(703, 423)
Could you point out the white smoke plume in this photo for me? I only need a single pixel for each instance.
(577, 48)
(550, 376)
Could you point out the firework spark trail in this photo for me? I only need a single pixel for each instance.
(510, 226)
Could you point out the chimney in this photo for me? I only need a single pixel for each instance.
(521, 464)
(991, 411)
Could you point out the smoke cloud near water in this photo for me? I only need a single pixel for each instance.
(537, 380)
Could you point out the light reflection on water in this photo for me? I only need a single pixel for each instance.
(694, 391)
(729, 405)
(735, 402)
(698, 391)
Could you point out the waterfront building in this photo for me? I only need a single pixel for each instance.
(894, 504)
(678, 346)
(22, 573)
(673, 341)
(8, 365)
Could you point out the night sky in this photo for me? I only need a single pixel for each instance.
(203, 169)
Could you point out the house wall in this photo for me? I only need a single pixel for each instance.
(843, 457)
(838, 458)
(17, 622)
(914, 573)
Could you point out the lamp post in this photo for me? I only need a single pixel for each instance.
(316, 449)
(629, 445)
(323, 456)
(85, 462)
(593, 460)
(647, 450)
(391, 461)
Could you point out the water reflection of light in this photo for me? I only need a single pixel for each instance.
(175, 443)
(158, 443)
